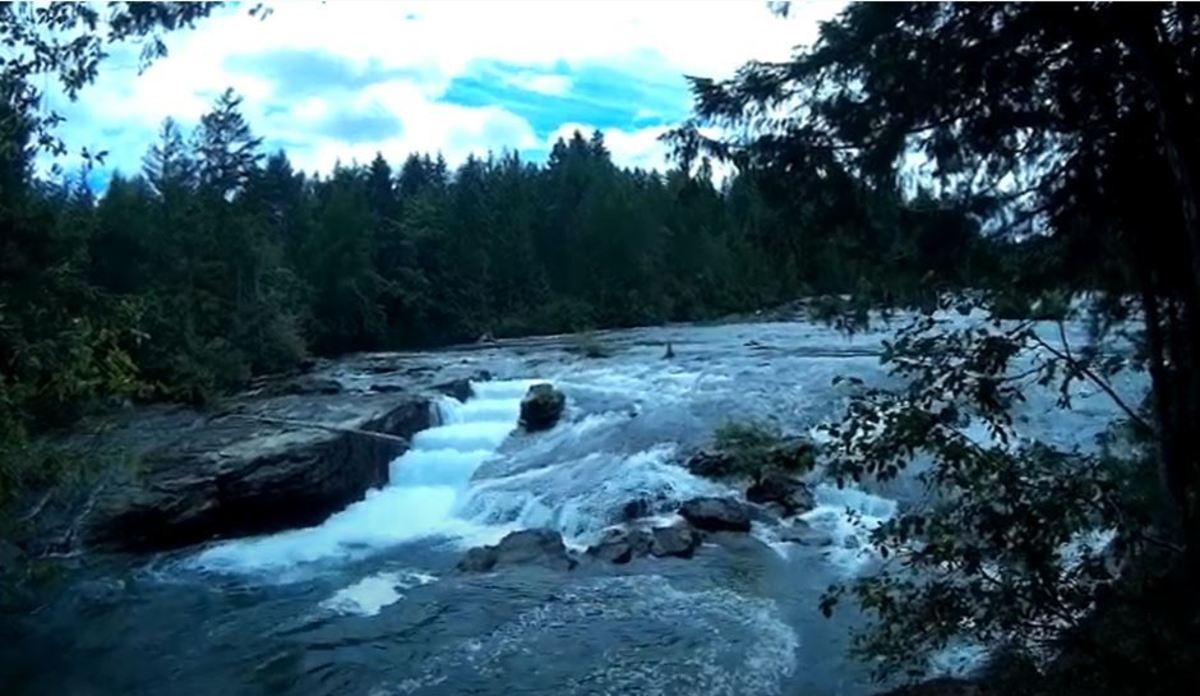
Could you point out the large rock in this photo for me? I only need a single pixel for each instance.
(196, 478)
(459, 389)
(542, 547)
(542, 407)
(677, 540)
(716, 514)
(775, 486)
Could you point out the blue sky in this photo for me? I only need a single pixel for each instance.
(339, 81)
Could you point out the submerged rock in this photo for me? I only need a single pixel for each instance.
(801, 533)
(527, 547)
(716, 514)
(677, 540)
(776, 487)
(542, 407)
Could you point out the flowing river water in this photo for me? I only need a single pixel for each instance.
(369, 602)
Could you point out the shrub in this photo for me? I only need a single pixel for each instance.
(752, 447)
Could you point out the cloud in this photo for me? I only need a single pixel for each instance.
(339, 81)
(362, 127)
(552, 85)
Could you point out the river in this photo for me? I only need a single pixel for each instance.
(369, 602)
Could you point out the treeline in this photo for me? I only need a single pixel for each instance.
(217, 262)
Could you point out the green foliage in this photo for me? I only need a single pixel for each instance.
(752, 447)
(1061, 131)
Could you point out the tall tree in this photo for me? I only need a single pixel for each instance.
(1058, 122)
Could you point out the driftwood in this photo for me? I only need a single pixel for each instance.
(322, 426)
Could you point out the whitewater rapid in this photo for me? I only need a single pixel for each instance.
(426, 488)
(370, 602)
(576, 479)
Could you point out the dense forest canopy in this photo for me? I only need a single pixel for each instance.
(219, 261)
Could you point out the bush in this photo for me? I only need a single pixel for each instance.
(752, 447)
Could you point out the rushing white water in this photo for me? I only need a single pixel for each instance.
(575, 479)
(426, 487)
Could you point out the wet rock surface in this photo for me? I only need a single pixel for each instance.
(249, 472)
(776, 487)
(542, 407)
(801, 533)
(288, 453)
(677, 540)
(716, 514)
(542, 547)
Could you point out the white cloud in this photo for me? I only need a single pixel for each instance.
(432, 43)
(554, 85)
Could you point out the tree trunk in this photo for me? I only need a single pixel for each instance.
(1179, 389)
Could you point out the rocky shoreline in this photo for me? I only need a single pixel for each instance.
(288, 453)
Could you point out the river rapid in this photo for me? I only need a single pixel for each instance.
(369, 602)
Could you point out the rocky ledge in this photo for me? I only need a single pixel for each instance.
(288, 454)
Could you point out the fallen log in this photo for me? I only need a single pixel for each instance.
(323, 426)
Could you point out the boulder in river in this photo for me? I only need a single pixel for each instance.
(677, 540)
(716, 514)
(776, 486)
(621, 545)
(542, 407)
(459, 389)
(527, 547)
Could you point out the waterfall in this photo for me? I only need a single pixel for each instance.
(426, 486)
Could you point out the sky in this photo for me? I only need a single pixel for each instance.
(340, 81)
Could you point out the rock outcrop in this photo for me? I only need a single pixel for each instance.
(776, 486)
(711, 464)
(542, 547)
(716, 514)
(289, 451)
(794, 454)
(249, 473)
(542, 407)
(621, 545)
